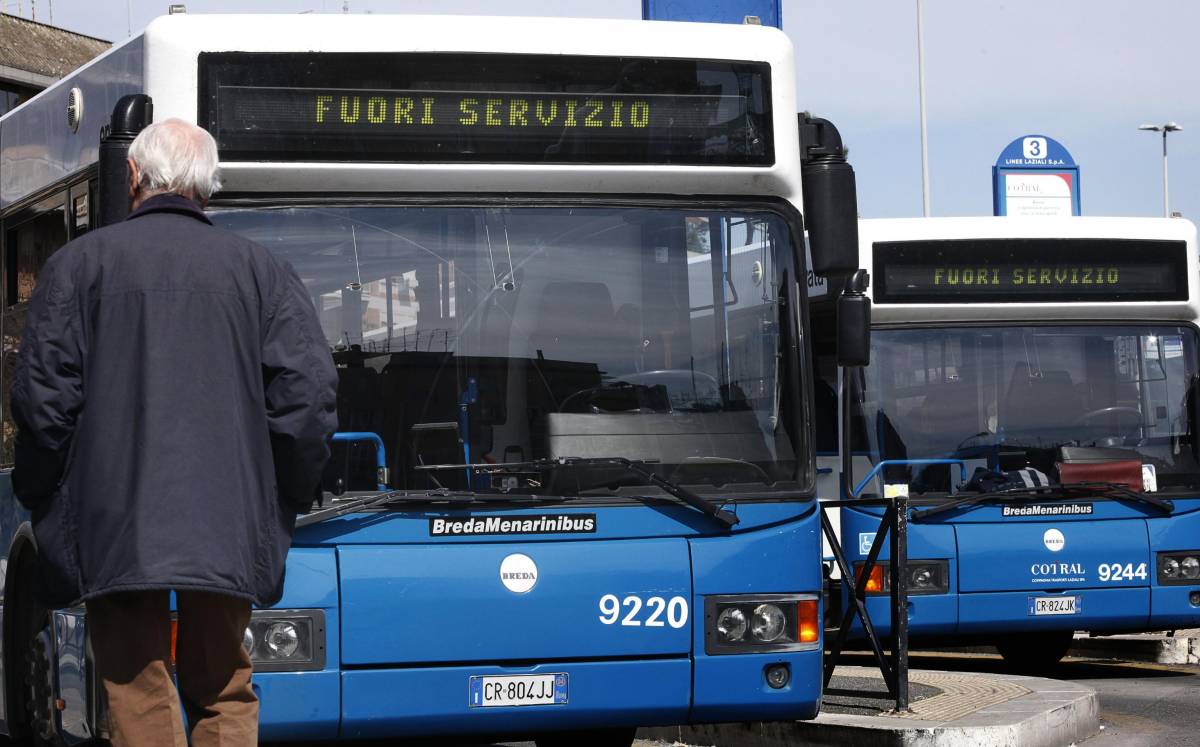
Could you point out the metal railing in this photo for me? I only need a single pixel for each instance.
(894, 526)
(880, 466)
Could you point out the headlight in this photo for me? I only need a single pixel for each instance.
(924, 577)
(286, 640)
(768, 623)
(1189, 568)
(731, 624)
(921, 578)
(741, 624)
(1180, 567)
(282, 639)
(1170, 568)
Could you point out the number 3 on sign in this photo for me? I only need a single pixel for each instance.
(648, 613)
(1034, 147)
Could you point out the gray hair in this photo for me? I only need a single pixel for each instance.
(176, 156)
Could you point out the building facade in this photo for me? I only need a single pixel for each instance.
(34, 55)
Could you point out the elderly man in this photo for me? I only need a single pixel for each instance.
(174, 398)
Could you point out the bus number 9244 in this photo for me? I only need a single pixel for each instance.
(1118, 572)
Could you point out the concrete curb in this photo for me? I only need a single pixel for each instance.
(1052, 714)
(1156, 649)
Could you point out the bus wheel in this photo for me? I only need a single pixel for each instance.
(1035, 652)
(593, 738)
(39, 690)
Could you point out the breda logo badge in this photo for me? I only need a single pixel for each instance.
(518, 573)
(1054, 540)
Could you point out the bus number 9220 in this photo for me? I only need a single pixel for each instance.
(650, 613)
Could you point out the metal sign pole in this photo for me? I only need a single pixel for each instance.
(1166, 198)
(899, 582)
(926, 208)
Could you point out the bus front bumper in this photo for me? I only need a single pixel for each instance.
(1097, 610)
(436, 701)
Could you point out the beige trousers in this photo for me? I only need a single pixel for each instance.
(131, 643)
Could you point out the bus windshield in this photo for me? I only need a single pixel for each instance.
(1006, 399)
(508, 334)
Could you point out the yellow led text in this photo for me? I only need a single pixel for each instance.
(1062, 276)
(498, 111)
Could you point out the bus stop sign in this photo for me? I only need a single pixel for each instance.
(768, 12)
(1035, 176)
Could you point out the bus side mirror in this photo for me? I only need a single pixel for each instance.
(854, 322)
(830, 198)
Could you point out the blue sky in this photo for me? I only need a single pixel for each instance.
(1086, 72)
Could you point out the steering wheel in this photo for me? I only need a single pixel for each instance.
(640, 393)
(680, 383)
(616, 397)
(1117, 411)
(669, 375)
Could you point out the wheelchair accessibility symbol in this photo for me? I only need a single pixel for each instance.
(865, 540)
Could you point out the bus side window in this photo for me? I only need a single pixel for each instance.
(30, 238)
(27, 247)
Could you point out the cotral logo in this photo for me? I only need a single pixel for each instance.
(1054, 540)
(518, 573)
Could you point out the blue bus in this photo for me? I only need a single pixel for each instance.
(1032, 389)
(559, 267)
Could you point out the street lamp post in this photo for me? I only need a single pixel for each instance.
(925, 206)
(1164, 129)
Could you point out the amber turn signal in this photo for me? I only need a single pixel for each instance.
(808, 621)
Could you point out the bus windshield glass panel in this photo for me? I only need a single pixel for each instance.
(439, 107)
(1005, 399)
(480, 335)
(1030, 270)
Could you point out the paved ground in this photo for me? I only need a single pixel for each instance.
(867, 695)
(972, 709)
(1175, 647)
(1141, 704)
(966, 694)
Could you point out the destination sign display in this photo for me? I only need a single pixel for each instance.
(485, 108)
(1029, 270)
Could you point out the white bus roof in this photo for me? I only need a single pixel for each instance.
(37, 148)
(875, 230)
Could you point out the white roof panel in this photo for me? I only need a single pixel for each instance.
(1080, 227)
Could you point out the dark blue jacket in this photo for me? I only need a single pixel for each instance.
(174, 397)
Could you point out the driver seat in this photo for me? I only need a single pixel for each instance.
(576, 323)
(1041, 402)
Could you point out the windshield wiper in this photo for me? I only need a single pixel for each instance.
(424, 496)
(702, 505)
(1119, 490)
(1073, 490)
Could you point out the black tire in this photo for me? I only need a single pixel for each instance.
(30, 680)
(592, 738)
(39, 697)
(39, 690)
(26, 648)
(1035, 652)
